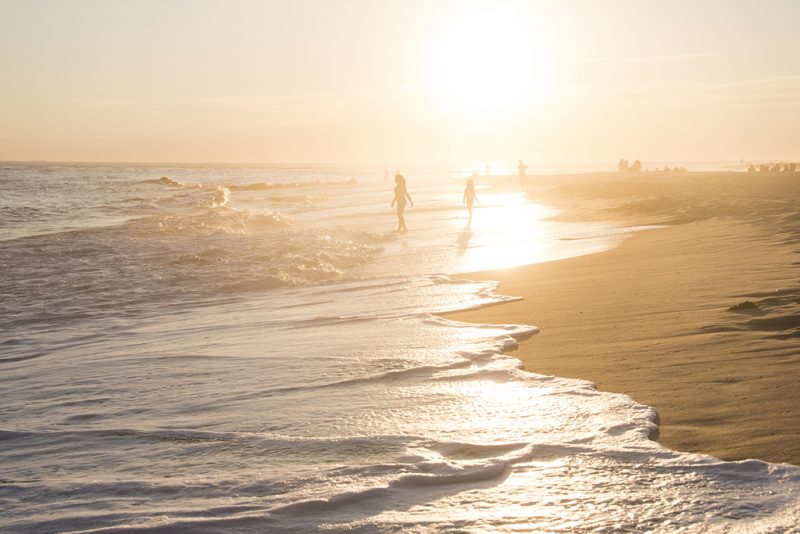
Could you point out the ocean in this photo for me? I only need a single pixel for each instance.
(254, 349)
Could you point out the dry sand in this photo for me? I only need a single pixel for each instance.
(650, 318)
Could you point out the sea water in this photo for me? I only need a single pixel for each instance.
(254, 349)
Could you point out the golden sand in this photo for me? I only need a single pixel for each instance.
(651, 317)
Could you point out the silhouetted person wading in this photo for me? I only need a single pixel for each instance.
(400, 196)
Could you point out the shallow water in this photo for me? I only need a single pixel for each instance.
(253, 349)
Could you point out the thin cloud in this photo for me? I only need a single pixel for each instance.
(768, 92)
(309, 97)
(779, 81)
(648, 59)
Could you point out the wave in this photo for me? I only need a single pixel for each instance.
(216, 218)
(263, 186)
(164, 181)
(255, 186)
(293, 200)
(162, 240)
(219, 197)
(477, 463)
(10, 215)
(266, 439)
(439, 474)
(165, 259)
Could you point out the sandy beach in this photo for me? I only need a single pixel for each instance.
(655, 318)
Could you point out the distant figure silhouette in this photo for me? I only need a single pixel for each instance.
(522, 168)
(622, 166)
(636, 167)
(470, 197)
(400, 195)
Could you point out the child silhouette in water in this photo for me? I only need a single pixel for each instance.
(470, 197)
(400, 195)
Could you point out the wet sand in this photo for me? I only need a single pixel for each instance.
(651, 317)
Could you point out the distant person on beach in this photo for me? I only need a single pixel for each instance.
(522, 168)
(400, 196)
(470, 197)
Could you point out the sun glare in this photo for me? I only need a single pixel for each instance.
(490, 61)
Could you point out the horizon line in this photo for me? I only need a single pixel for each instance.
(394, 164)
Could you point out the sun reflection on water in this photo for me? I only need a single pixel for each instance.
(506, 230)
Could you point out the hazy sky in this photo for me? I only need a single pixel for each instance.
(399, 81)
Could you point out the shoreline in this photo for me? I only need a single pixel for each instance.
(650, 318)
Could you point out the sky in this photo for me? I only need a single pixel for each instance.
(374, 81)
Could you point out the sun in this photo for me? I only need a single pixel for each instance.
(489, 61)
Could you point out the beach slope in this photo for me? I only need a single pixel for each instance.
(699, 319)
